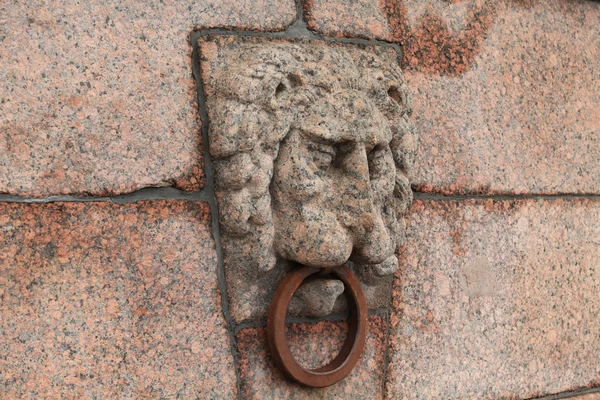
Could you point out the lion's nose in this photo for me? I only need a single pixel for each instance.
(374, 244)
(367, 222)
(355, 188)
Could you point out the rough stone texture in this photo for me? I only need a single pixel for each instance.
(106, 301)
(336, 120)
(456, 24)
(98, 97)
(349, 18)
(589, 396)
(529, 120)
(497, 299)
(314, 345)
(506, 92)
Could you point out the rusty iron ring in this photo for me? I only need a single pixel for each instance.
(348, 356)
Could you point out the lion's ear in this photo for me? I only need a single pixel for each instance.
(282, 83)
(407, 99)
(403, 194)
(404, 145)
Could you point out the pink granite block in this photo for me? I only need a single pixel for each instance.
(99, 98)
(349, 18)
(505, 92)
(519, 113)
(497, 299)
(107, 301)
(313, 345)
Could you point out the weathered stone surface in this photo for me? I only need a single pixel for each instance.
(448, 27)
(98, 97)
(506, 92)
(589, 396)
(497, 299)
(312, 145)
(106, 301)
(313, 345)
(349, 18)
(523, 117)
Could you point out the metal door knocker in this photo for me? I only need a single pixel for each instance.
(348, 356)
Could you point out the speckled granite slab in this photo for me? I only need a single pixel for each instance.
(98, 97)
(497, 299)
(111, 302)
(313, 344)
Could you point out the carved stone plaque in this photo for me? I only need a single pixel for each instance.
(311, 145)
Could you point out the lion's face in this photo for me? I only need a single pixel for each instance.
(333, 184)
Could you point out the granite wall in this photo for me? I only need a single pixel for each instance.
(112, 281)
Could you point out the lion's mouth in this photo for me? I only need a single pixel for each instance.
(387, 267)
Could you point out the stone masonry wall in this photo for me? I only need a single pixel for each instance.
(112, 281)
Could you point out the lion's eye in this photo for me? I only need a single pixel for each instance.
(322, 155)
(377, 162)
(292, 81)
(271, 149)
(395, 94)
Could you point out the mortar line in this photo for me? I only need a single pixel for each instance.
(300, 22)
(569, 394)
(171, 193)
(149, 193)
(503, 196)
(295, 31)
(386, 352)
(249, 325)
(212, 201)
(298, 29)
(308, 320)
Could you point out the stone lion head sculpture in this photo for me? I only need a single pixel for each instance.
(312, 147)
